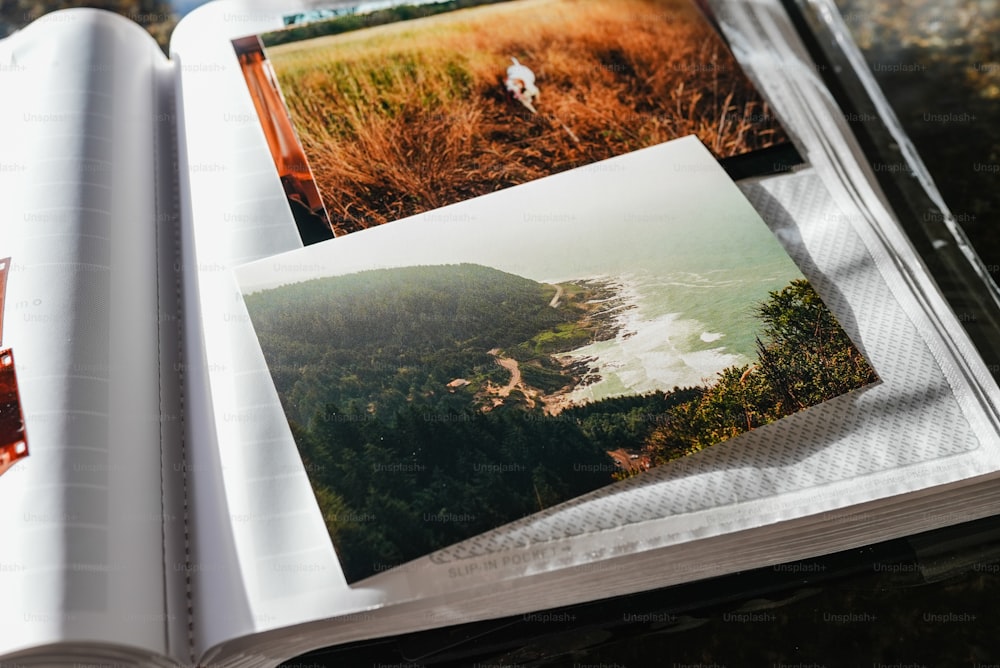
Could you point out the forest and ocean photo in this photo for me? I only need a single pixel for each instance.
(415, 106)
(470, 366)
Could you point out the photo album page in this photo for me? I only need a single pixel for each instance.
(84, 539)
(498, 292)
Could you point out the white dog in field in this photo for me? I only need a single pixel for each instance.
(520, 85)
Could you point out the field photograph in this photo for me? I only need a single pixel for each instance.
(398, 117)
(509, 353)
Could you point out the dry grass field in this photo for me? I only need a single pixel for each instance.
(407, 117)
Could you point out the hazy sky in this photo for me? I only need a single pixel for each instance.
(670, 203)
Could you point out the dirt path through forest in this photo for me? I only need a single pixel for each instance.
(515, 373)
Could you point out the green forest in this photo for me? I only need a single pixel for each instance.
(349, 20)
(399, 389)
(385, 340)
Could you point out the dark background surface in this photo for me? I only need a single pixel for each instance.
(938, 63)
(926, 601)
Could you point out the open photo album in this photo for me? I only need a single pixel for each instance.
(352, 320)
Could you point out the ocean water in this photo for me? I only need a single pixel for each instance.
(681, 329)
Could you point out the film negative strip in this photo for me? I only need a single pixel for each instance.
(13, 440)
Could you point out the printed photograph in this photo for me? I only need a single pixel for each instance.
(404, 108)
(467, 367)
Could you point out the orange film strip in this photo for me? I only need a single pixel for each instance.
(13, 441)
(4, 270)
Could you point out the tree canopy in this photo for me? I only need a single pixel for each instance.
(804, 358)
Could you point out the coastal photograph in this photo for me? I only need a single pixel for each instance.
(402, 108)
(450, 373)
